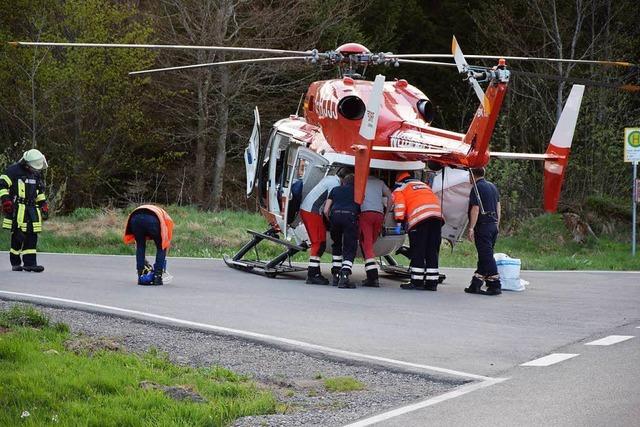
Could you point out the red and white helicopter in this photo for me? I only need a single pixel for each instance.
(378, 127)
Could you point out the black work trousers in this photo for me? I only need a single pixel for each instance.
(344, 234)
(23, 246)
(424, 248)
(485, 236)
(147, 226)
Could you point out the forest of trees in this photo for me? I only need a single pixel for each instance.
(178, 137)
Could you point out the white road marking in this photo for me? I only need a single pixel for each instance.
(258, 336)
(460, 391)
(611, 339)
(550, 359)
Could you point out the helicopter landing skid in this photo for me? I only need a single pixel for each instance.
(271, 268)
(390, 266)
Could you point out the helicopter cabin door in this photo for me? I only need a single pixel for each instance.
(251, 153)
(308, 168)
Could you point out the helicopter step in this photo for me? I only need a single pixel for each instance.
(390, 266)
(271, 268)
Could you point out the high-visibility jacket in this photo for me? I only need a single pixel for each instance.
(414, 202)
(25, 188)
(166, 225)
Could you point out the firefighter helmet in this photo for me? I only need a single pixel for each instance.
(400, 175)
(35, 159)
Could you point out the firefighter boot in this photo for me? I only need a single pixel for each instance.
(33, 268)
(335, 276)
(414, 284)
(474, 287)
(493, 287)
(16, 268)
(344, 282)
(372, 279)
(157, 276)
(314, 277)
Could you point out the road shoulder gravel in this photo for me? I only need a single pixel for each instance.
(296, 378)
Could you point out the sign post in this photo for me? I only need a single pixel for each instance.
(632, 154)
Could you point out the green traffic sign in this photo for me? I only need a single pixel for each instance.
(633, 139)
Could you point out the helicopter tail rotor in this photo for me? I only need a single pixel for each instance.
(464, 68)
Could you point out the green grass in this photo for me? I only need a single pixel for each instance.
(541, 243)
(544, 243)
(343, 384)
(59, 387)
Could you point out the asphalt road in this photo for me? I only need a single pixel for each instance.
(448, 330)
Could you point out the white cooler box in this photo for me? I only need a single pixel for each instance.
(509, 270)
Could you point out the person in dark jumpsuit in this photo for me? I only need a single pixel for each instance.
(484, 222)
(343, 213)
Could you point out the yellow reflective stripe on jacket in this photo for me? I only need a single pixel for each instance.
(28, 252)
(4, 192)
(6, 179)
(20, 218)
(22, 192)
(41, 198)
(7, 223)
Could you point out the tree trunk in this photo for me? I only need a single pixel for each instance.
(221, 142)
(201, 144)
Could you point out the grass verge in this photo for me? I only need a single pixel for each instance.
(42, 382)
(342, 384)
(541, 243)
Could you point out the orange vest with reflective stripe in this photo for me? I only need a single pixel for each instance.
(166, 226)
(414, 202)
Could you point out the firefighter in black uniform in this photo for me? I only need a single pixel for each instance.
(343, 211)
(484, 220)
(24, 204)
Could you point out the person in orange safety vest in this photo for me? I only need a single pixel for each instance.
(420, 210)
(149, 222)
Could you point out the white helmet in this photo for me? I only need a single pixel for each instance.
(35, 159)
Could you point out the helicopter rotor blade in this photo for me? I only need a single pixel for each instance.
(167, 46)
(411, 61)
(628, 87)
(517, 58)
(578, 80)
(213, 64)
(464, 68)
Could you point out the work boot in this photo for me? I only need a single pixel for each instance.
(157, 276)
(493, 288)
(431, 286)
(344, 282)
(372, 279)
(335, 276)
(33, 268)
(414, 285)
(474, 286)
(16, 268)
(314, 277)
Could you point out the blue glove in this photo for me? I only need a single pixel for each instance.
(147, 278)
(398, 229)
